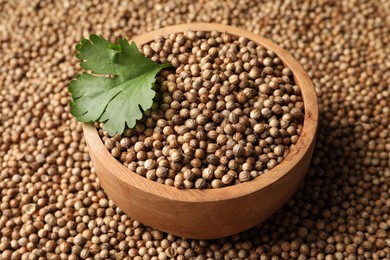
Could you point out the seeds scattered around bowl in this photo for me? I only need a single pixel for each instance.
(341, 211)
(230, 111)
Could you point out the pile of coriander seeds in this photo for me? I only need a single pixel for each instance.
(52, 205)
(228, 112)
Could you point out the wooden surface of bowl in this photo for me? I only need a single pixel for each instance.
(210, 213)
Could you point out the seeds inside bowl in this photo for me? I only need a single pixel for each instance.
(228, 113)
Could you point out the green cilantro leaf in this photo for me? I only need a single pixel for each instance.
(118, 86)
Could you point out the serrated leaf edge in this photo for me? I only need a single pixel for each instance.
(116, 47)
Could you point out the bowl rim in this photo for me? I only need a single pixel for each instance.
(307, 137)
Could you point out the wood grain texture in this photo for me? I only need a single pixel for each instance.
(210, 213)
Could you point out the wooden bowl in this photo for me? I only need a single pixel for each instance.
(210, 213)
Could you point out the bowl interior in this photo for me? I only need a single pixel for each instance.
(305, 140)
